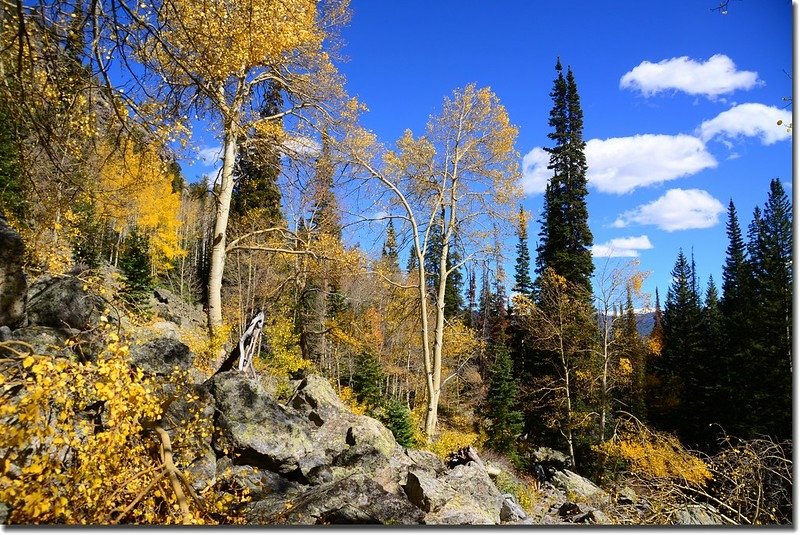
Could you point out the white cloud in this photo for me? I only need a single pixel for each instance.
(677, 209)
(620, 165)
(302, 146)
(752, 120)
(712, 78)
(210, 156)
(535, 173)
(622, 247)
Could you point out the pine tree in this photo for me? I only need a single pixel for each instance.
(453, 300)
(634, 352)
(390, 253)
(411, 265)
(134, 262)
(522, 268)
(772, 264)
(736, 307)
(505, 422)
(565, 238)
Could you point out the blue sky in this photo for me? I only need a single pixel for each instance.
(680, 103)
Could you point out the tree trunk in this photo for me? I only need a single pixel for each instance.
(223, 206)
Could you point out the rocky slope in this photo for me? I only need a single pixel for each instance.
(309, 460)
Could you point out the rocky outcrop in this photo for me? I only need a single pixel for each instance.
(13, 285)
(162, 356)
(579, 487)
(256, 427)
(62, 302)
(697, 515)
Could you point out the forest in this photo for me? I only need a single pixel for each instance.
(432, 337)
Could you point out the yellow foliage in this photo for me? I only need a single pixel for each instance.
(460, 340)
(63, 466)
(653, 455)
(216, 39)
(285, 356)
(348, 397)
(135, 189)
(206, 349)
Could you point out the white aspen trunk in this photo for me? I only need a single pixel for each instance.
(433, 400)
(438, 341)
(223, 206)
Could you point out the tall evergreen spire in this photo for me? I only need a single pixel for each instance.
(390, 252)
(565, 237)
(522, 268)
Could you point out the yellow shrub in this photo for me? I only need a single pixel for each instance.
(284, 357)
(348, 397)
(61, 464)
(206, 348)
(653, 455)
(449, 440)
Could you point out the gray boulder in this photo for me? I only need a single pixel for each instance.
(262, 432)
(62, 302)
(579, 487)
(356, 499)
(260, 484)
(13, 285)
(316, 400)
(511, 510)
(697, 515)
(175, 309)
(162, 355)
(427, 492)
(65, 343)
(476, 500)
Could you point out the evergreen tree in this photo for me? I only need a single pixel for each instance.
(397, 419)
(257, 169)
(12, 184)
(634, 352)
(411, 265)
(390, 253)
(505, 422)
(367, 379)
(522, 268)
(772, 265)
(736, 307)
(453, 300)
(676, 368)
(565, 238)
(134, 262)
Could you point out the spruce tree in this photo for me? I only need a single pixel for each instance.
(257, 169)
(736, 306)
(522, 268)
(565, 238)
(134, 262)
(505, 422)
(397, 419)
(634, 351)
(390, 253)
(676, 367)
(367, 380)
(772, 264)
